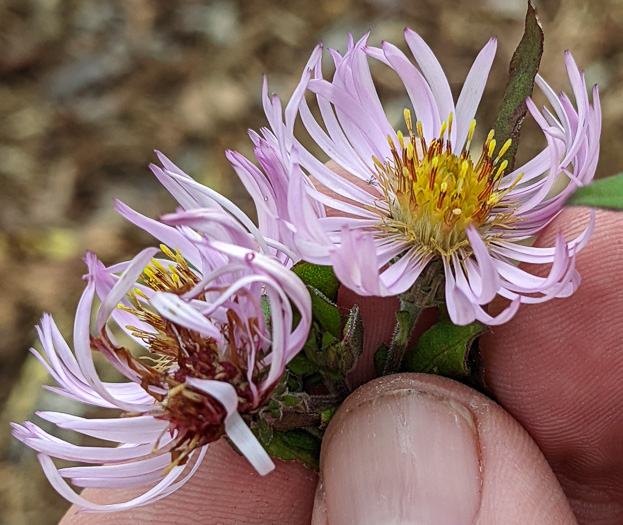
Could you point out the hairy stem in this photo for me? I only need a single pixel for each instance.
(422, 295)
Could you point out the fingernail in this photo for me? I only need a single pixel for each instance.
(402, 457)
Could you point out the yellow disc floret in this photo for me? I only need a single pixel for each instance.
(430, 194)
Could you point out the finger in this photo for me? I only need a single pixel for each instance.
(414, 448)
(558, 368)
(224, 490)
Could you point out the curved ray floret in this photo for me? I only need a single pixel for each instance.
(426, 190)
(215, 320)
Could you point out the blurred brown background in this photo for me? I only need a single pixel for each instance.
(90, 87)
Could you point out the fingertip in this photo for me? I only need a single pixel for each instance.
(225, 490)
(414, 448)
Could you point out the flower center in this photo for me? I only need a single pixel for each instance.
(176, 352)
(431, 194)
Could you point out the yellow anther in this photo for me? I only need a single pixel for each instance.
(158, 265)
(408, 121)
(464, 168)
(490, 136)
(444, 125)
(420, 131)
(140, 294)
(391, 142)
(400, 139)
(410, 151)
(515, 182)
(450, 118)
(406, 173)
(504, 149)
(491, 147)
(501, 169)
(493, 199)
(470, 133)
(434, 163)
(377, 162)
(443, 187)
(167, 251)
(459, 187)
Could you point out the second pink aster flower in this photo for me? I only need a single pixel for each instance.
(216, 320)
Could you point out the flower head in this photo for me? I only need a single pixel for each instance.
(426, 191)
(216, 320)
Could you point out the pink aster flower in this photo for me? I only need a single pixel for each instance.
(421, 194)
(216, 319)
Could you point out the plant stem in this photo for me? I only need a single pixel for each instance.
(422, 295)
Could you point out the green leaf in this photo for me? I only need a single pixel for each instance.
(325, 311)
(444, 349)
(380, 359)
(321, 278)
(293, 445)
(302, 366)
(326, 415)
(523, 68)
(604, 193)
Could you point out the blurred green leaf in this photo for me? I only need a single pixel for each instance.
(302, 366)
(325, 311)
(604, 193)
(380, 359)
(321, 278)
(444, 349)
(523, 68)
(293, 445)
(326, 415)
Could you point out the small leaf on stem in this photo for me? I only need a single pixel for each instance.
(604, 193)
(444, 349)
(523, 68)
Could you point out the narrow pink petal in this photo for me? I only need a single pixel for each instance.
(237, 430)
(489, 279)
(472, 90)
(434, 75)
(123, 286)
(175, 309)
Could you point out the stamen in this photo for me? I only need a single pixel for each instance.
(420, 131)
(400, 139)
(408, 122)
(443, 188)
(444, 125)
(491, 148)
(433, 172)
(503, 150)
(501, 169)
(470, 135)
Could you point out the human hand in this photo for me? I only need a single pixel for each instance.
(423, 449)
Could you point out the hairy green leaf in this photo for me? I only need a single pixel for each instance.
(293, 445)
(380, 359)
(321, 278)
(444, 349)
(325, 311)
(302, 366)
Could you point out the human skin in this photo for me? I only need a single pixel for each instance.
(440, 452)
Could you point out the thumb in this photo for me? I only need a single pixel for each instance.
(415, 448)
